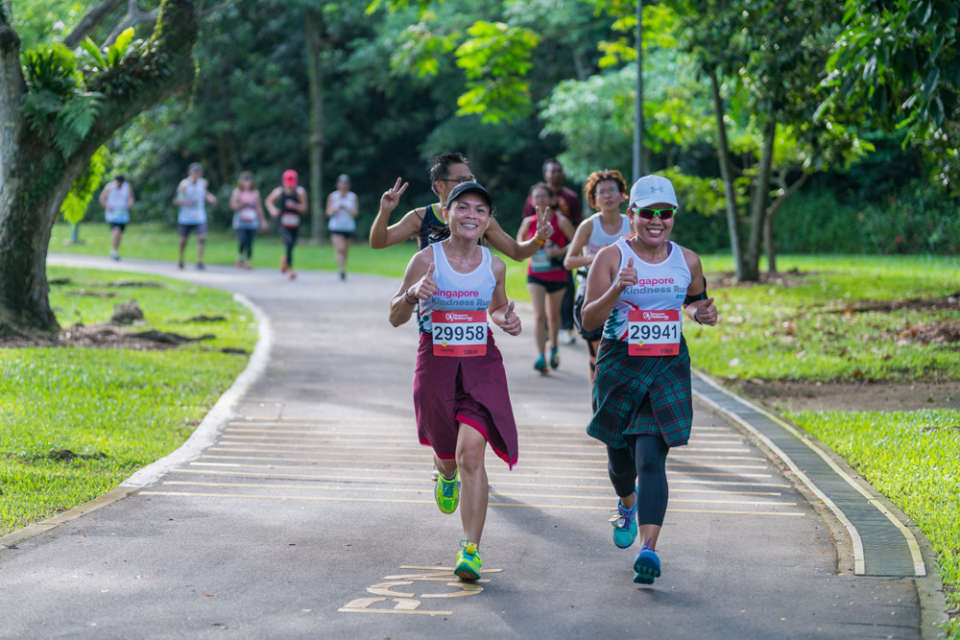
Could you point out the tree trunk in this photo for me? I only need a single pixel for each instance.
(35, 177)
(768, 239)
(758, 206)
(314, 27)
(723, 155)
(90, 21)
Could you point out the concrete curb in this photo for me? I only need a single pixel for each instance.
(206, 433)
(933, 609)
(203, 436)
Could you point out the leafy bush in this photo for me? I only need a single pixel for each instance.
(917, 218)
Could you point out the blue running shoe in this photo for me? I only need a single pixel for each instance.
(541, 364)
(647, 566)
(624, 526)
(554, 359)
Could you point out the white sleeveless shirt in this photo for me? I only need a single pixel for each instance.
(661, 285)
(600, 238)
(116, 210)
(341, 220)
(457, 291)
(195, 192)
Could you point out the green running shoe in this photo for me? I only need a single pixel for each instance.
(468, 561)
(447, 492)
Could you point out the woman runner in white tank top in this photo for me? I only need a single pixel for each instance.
(605, 191)
(642, 398)
(117, 198)
(460, 393)
(341, 220)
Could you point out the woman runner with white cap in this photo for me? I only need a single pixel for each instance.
(642, 400)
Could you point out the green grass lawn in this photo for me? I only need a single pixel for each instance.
(116, 409)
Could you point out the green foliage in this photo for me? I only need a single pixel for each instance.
(495, 59)
(99, 60)
(912, 457)
(916, 218)
(899, 64)
(56, 103)
(40, 22)
(118, 409)
(75, 204)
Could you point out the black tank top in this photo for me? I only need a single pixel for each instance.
(432, 228)
(285, 198)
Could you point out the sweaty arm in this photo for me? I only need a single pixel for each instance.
(698, 306)
(500, 240)
(573, 259)
(604, 286)
(382, 236)
(418, 284)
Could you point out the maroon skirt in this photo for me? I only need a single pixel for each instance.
(448, 391)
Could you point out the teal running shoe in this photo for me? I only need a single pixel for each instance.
(624, 526)
(554, 359)
(647, 566)
(468, 561)
(447, 492)
(541, 364)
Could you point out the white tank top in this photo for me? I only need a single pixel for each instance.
(341, 220)
(118, 196)
(600, 238)
(195, 192)
(457, 291)
(660, 286)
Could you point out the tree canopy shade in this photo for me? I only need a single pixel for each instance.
(58, 109)
(898, 63)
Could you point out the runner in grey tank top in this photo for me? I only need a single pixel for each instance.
(605, 191)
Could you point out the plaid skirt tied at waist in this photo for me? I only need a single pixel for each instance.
(641, 395)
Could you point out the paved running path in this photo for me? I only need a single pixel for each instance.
(312, 516)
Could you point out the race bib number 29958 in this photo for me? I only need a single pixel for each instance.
(459, 333)
(653, 332)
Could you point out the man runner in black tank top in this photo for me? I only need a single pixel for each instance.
(427, 224)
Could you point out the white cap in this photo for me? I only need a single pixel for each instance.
(651, 189)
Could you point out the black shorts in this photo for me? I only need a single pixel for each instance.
(118, 225)
(186, 229)
(552, 286)
(346, 235)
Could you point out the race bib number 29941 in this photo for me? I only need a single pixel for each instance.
(653, 332)
(459, 333)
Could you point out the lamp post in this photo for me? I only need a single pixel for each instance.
(639, 165)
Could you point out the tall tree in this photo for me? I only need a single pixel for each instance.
(765, 61)
(57, 114)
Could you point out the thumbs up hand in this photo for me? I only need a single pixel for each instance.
(627, 276)
(511, 321)
(426, 286)
(706, 313)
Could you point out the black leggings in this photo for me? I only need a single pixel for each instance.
(289, 237)
(245, 241)
(644, 460)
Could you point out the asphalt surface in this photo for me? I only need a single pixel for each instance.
(312, 515)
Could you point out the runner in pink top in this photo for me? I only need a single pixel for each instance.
(546, 277)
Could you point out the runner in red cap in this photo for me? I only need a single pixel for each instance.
(292, 206)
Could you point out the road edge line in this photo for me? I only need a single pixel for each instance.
(856, 541)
